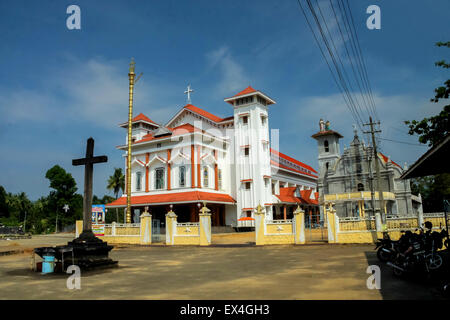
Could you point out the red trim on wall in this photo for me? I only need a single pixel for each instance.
(216, 172)
(147, 156)
(192, 167)
(169, 151)
(199, 184)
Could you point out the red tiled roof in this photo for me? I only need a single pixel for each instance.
(287, 195)
(301, 164)
(182, 129)
(205, 113)
(141, 117)
(179, 197)
(249, 89)
(276, 164)
(386, 159)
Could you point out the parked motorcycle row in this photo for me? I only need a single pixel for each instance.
(418, 254)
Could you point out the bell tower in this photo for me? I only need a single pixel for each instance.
(328, 146)
(252, 151)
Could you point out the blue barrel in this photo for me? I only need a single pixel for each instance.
(48, 265)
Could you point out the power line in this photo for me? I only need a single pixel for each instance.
(339, 77)
(363, 96)
(327, 62)
(330, 54)
(412, 144)
(362, 60)
(341, 65)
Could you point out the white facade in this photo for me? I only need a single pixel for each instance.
(229, 161)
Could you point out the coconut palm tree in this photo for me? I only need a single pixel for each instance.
(116, 182)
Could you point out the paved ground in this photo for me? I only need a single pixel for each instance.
(218, 272)
(28, 245)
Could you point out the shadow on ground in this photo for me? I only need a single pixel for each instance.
(410, 286)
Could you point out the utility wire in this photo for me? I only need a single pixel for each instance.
(338, 77)
(412, 144)
(326, 60)
(358, 76)
(362, 61)
(340, 64)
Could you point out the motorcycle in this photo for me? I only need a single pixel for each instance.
(386, 248)
(419, 260)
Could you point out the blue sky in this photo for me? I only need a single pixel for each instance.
(58, 86)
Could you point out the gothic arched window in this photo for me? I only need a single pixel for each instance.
(138, 180)
(325, 144)
(205, 177)
(182, 176)
(159, 178)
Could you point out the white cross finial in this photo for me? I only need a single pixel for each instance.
(188, 92)
(66, 208)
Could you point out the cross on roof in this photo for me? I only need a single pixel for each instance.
(188, 92)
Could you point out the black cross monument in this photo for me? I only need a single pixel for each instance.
(87, 251)
(88, 163)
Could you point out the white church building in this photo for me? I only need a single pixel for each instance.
(229, 163)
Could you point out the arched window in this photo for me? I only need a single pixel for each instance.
(360, 187)
(159, 178)
(219, 176)
(325, 144)
(138, 180)
(182, 176)
(205, 177)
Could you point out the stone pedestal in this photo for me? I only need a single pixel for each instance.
(259, 226)
(146, 228)
(299, 226)
(87, 252)
(171, 225)
(205, 227)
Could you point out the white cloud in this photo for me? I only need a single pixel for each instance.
(92, 91)
(233, 77)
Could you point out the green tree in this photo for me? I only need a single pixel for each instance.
(116, 182)
(434, 189)
(64, 192)
(432, 130)
(4, 212)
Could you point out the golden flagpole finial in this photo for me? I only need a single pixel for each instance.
(132, 64)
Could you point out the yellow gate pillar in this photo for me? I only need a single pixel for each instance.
(146, 227)
(205, 226)
(171, 227)
(332, 228)
(299, 226)
(260, 218)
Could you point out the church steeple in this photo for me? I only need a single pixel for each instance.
(328, 145)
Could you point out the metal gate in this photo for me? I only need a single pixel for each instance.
(315, 228)
(157, 236)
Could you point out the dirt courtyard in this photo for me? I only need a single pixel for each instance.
(223, 272)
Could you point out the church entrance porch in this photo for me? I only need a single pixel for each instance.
(186, 212)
